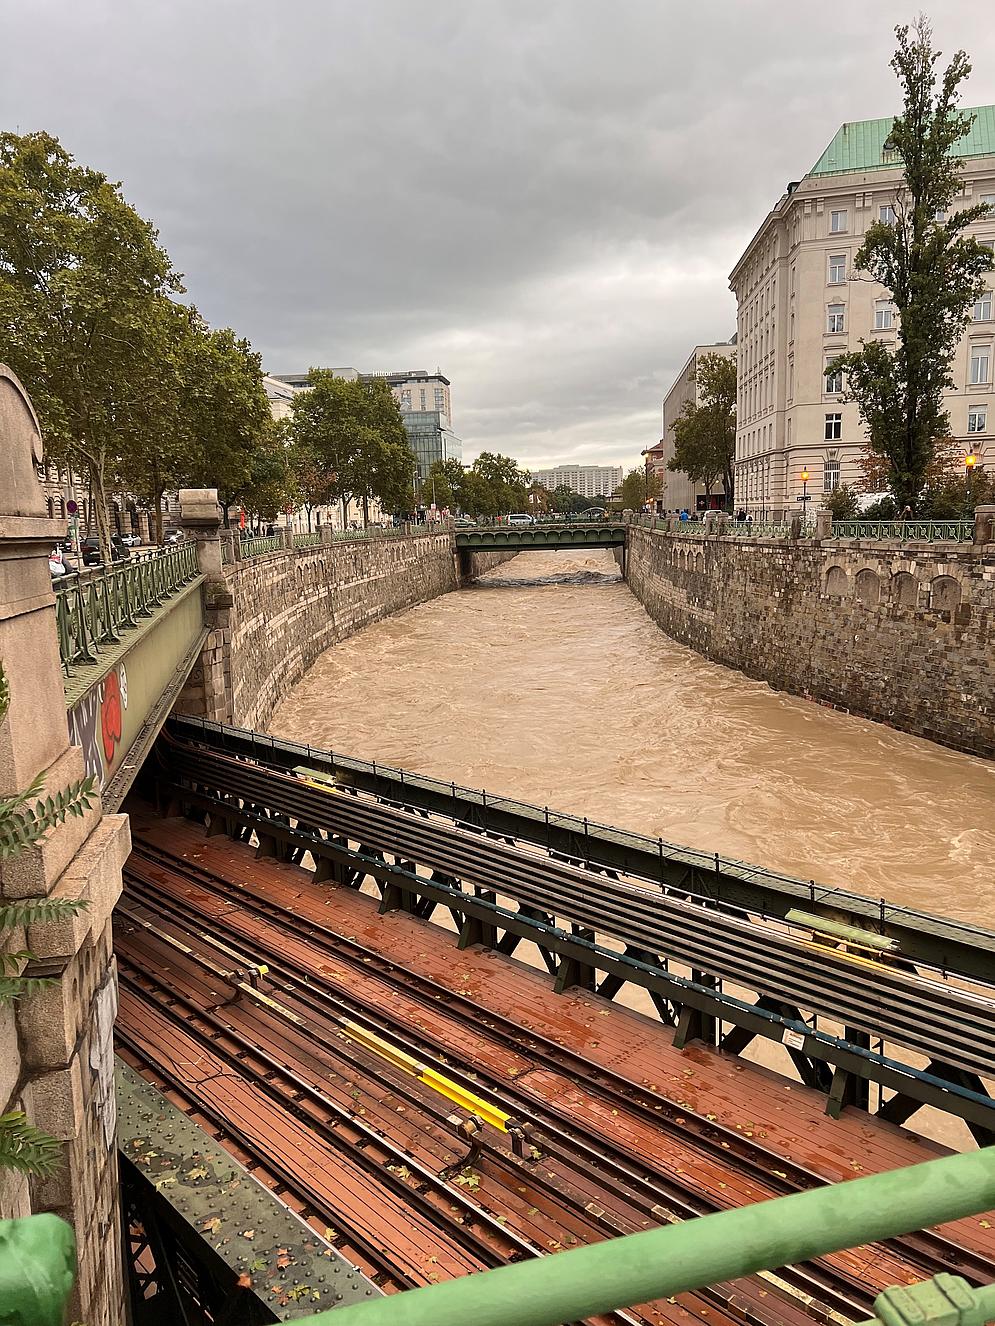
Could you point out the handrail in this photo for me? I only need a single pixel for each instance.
(92, 610)
(639, 1268)
(905, 531)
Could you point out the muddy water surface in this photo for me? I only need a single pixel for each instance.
(547, 681)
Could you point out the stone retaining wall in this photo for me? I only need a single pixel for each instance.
(903, 635)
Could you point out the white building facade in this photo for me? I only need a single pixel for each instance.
(587, 480)
(800, 303)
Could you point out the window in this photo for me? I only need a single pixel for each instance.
(983, 308)
(836, 315)
(886, 214)
(977, 419)
(834, 380)
(988, 199)
(406, 400)
(837, 223)
(834, 427)
(883, 312)
(837, 268)
(940, 214)
(988, 244)
(980, 356)
(830, 475)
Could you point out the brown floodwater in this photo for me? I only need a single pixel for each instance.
(566, 694)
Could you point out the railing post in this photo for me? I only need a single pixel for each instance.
(823, 523)
(984, 525)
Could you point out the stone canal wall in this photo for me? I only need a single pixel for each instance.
(288, 607)
(905, 635)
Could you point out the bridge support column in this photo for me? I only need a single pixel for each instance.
(207, 693)
(56, 1049)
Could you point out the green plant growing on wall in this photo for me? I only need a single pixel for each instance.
(25, 818)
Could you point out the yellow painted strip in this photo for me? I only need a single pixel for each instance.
(315, 778)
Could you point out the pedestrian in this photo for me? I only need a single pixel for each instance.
(741, 516)
(684, 515)
(906, 513)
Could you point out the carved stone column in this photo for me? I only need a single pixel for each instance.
(56, 1047)
(207, 692)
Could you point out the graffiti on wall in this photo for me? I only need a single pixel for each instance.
(96, 723)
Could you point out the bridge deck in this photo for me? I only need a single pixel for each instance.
(757, 1108)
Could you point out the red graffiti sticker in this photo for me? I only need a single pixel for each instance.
(110, 716)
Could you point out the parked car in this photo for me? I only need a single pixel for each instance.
(462, 522)
(520, 518)
(131, 540)
(90, 550)
(172, 536)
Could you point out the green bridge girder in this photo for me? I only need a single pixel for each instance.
(523, 538)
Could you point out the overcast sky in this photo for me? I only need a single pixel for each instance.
(542, 197)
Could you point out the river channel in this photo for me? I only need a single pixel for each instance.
(547, 681)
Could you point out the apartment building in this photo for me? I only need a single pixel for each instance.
(587, 480)
(800, 303)
(679, 492)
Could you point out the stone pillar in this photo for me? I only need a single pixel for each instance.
(984, 525)
(326, 533)
(56, 1046)
(795, 526)
(823, 523)
(207, 692)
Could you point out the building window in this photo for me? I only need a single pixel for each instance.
(837, 268)
(980, 356)
(988, 199)
(886, 215)
(830, 475)
(834, 380)
(883, 314)
(835, 321)
(406, 400)
(837, 223)
(834, 427)
(977, 419)
(940, 214)
(983, 308)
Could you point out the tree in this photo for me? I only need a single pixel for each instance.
(445, 483)
(637, 488)
(22, 1146)
(81, 276)
(312, 483)
(933, 272)
(384, 462)
(842, 502)
(567, 502)
(705, 433)
(268, 486)
(499, 485)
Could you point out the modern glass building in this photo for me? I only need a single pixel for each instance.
(431, 438)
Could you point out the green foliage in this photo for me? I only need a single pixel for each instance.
(81, 280)
(23, 1147)
(954, 498)
(705, 433)
(842, 502)
(932, 270)
(444, 485)
(494, 486)
(884, 508)
(567, 502)
(637, 488)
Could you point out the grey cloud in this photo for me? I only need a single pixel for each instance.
(545, 200)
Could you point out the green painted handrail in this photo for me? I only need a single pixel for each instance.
(679, 1258)
(905, 531)
(36, 1259)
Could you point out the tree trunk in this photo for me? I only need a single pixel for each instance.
(99, 508)
(158, 517)
(345, 513)
(366, 511)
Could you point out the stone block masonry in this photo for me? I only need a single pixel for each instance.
(904, 635)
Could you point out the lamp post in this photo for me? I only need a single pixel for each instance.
(804, 476)
(970, 460)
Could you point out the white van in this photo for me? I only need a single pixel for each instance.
(520, 518)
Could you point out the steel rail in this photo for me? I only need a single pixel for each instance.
(656, 1194)
(566, 1152)
(948, 1024)
(927, 1248)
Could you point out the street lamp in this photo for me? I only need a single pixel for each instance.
(970, 461)
(805, 476)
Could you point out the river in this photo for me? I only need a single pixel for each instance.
(565, 693)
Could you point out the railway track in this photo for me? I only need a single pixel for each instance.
(147, 1000)
(928, 1252)
(950, 1025)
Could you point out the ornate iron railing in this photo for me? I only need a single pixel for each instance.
(905, 531)
(753, 529)
(255, 545)
(93, 608)
(311, 540)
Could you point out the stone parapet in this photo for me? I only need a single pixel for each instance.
(900, 633)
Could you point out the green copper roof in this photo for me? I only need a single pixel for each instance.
(859, 145)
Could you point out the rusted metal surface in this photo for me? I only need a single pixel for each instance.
(269, 1252)
(633, 1132)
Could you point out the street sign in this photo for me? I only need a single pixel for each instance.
(71, 507)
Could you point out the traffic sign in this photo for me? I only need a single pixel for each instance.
(71, 507)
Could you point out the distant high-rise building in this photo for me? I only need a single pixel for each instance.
(425, 402)
(587, 480)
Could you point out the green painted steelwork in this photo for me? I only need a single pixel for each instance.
(946, 1300)
(565, 534)
(849, 933)
(255, 546)
(311, 540)
(676, 1259)
(94, 609)
(905, 531)
(37, 1267)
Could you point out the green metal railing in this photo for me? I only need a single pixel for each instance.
(905, 531)
(311, 540)
(753, 529)
(255, 545)
(639, 1268)
(93, 608)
